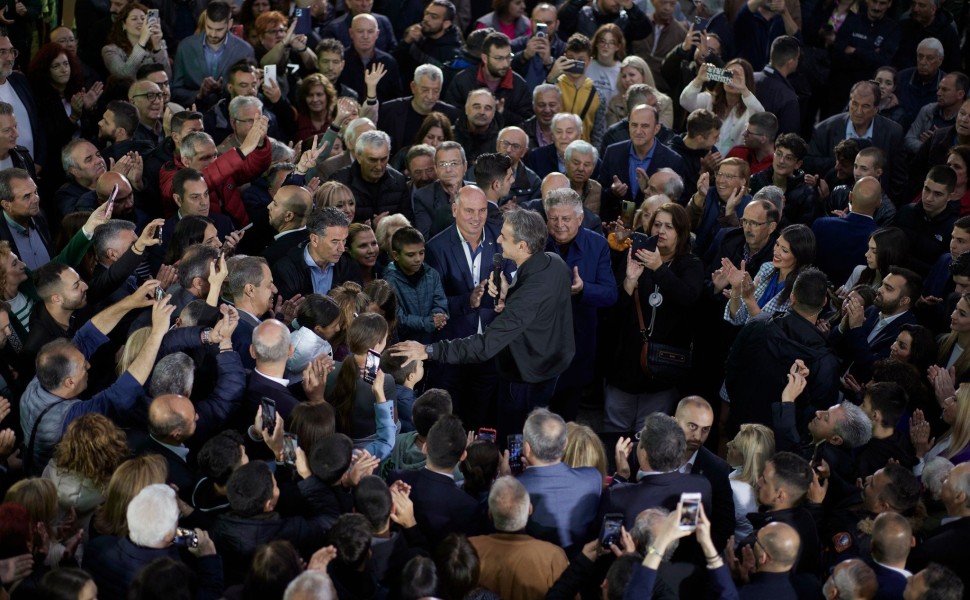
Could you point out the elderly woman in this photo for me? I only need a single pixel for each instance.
(633, 71)
(279, 46)
(316, 104)
(135, 40)
(720, 205)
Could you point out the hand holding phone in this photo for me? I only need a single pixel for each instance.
(484, 433)
(642, 242)
(269, 414)
(515, 453)
(372, 362)
(690, 507)
(610, 531)
(269, 74)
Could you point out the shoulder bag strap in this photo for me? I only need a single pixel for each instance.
(636, 302)
(29, 458)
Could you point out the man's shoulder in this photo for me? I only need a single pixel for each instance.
(832, 123)
(707, 460)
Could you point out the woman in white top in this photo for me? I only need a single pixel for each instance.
(747, 453)
(734, 102)
(609, 48)
(135, 40)
(319, 319)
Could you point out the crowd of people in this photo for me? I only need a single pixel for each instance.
(623, 299)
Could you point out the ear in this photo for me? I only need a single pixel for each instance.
(268, 506)
(526, 448)
(772, 226)
(464, 455)
(836, 440)
(412, 88)
(798, 165)
(530, 509)
(252, 351)
(178, 201)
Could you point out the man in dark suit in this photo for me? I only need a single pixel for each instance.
(659, 453)
(566, 128)
(870, 333)
(842, 242)
(696, 417)
(775, 554)
(401, 118)
(627, 164)
(564, 499)
(321, 264)
(250, 288)
(462, 255)
(775, 92)
(287, 215)
(32, 131)
(892, 540)
(440, 507)
(947, 544)
(433, 204)
(862, 121)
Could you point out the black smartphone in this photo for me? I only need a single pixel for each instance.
(515, 452)
(610, 531)
(185, 538)
(372, 362)
(484, 433)
(303, 24)
(698, 23)
(158, 233)
(578, 66)
(269, 414)
(642, 242)
(290, 442)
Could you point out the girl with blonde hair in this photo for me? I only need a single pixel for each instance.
(747, 453)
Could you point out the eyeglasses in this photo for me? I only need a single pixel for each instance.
(506, 58)
(4, 52)
(449, 164)
(275, 31)
(509, 145)
(762, 546)
(723, 175)
(750, 223)
(785, 157)
(250, 121)
(152, 96)
(606, 43)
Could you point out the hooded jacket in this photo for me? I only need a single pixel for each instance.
(801, 200)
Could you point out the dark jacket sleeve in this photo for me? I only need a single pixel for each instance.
(106, 282)
(210, 577)
(577, 575)
(214, 411)
(783, 424)
(641, 584)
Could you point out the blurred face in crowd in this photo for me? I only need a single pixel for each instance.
(862, 106)
(877, 9)
(959, 242)
(205, 155)
(15, 272)
(579, 167)
(8, 55)
(274, 35)
(886, 81)
(373, 162)
(785, 162)
(935, 196)
(426, 93)
(547, 16)
(331, 65)
(513, 142)
(243, 123)
(664, 10)
(480, 110)
(923, 11)
(421, 170)
(960, 317)
(498, 61)
(345, 202)
(8, 134)
(148, 99)
(329, 246)
(434, 137)
(134, 22)
(872, 491)
(823, 425)
(754, 223)
(766, 488)
(963, 120)
(902, 348)
(434, 21)
(948, 95)
(25, 202)
(65, 37)
(872, 254)
(928, 61)
(865, 166)
(243, 83)
(449, 167)
(955, 162)
(216, 31)
(470, 211)
(264, 293)
(89, 165)
(565, 132)
(360, 6)
(727, 180)
(194, 199)
(546, 105)
(643, 128)
(363, 34)
(74, 292)
(630, 76)
(696, 421)
(60, 71)
(782, 257)
(563, 222)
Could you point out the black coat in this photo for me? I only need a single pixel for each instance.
(809, 554)
(279, 247)
(801, 200)
(717, 472)
(389, 194)
(517, 95)
(393, 119)
(946, 545)
(662, 490)
(441, 507)
(292, 275)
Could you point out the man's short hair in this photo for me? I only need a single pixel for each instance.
(372, 498)
(639, 93)
(545, 432)
(311, 585)
(793, 142)
(195, 263)
(428, 70)
(913, 286)
(372, 139)
(810, 290)
(508, 504)
(491, 167)
(767, 122)
(783, 49)
(242, 66)
(428, 408)
(621, 571)
(702, 122)
(147, 69)
(406, 236)
(54, 363)
(181, 177)
(568, 116)
(902, 491)
(189, 142)
(67, 154)
(152, 516)
(542, 88)
(793, 473)
(218, 11)
(931, 43)
(944, 175)
(941, 583)
(47, 279)
(237, 104)
(773, 194)
(173, 374)
(249, 488)
(248, 269)
(960, 81)
(450, 145)
(856, 428)
(271, 341)
(869, 86)
(323, 218)
(106, 233)
(578, 42)
(419, 150)
(529, 227)
(581, 147)
(219, 457)
(876, 154)
(331, 45)
(126, 115)
(663, 441)
(674, 186)
(331, 457)
(496, 39)
(351, 536)
(567, 197)
(855, 579)
(446, 442)
(180, 118)
(890, 399)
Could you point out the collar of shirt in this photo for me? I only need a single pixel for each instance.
(282, 382)
(902, 572)
(15, 225)
(688, 466)
(312, 263)
(505, 83)
(181, 451)
(642, 474)
(282, 233)
(450, 475)
(207, 48)
(850, 133)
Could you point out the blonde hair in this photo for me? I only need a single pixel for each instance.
(584, 448)
(946, 348)
(131, 477)
(756, 444)
(131, 349)
(960, 431)
(39, 497)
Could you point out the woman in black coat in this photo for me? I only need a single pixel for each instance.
(675, 278)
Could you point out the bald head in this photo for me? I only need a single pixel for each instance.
(471, 193)
(852, 580)
(781, 543)
(296, 199)
(866, 196)
(553, 181)
(271, 342)
(892, 538)
(171, 418)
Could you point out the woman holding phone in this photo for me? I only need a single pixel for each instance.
(135, 40)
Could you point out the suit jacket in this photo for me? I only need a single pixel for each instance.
(616, 161)
(663, 489)
(947, 546)
(279, 247)
(543, 160)
(257, 387)
(777, 586)
(22, 88)
(440, 506)
(393, 119)
(190, 68)
(891, 582)
(292, 275)
(840, 244)
(853, 345)
(564, 502)
(180, 472)
(445, 254)
(716, 470)
(778, 97)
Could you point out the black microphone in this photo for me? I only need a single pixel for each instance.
(497, 270)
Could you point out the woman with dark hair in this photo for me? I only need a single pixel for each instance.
(274, 566)
(660, 292)
(247, 18)
(734, 102)
(384, 302)
(191, 230)
(770, 291)
(68, 584)
(316, 105)
(435, 128)
(459, 570)
(507, 16)
(480, 468)
(419, 579)
(135, 40)
(958, 159)
(888, 80)
(915, 345)
(362, 247)
(311, 422)
(888, 247)
(319, 319)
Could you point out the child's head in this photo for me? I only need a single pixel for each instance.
(393, 366)
(428, 408)
(407, 250)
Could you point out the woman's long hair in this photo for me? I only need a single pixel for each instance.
(801, 240)
(946, 347)
(38, 72)
(719, 95)
(117, 35)
(892, 250)
(367, 331)
(189, 230)
(960, 432)
(756, 444)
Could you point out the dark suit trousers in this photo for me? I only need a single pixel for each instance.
(516, 401)
(473, 389)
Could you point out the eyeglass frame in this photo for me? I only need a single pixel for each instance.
(157, 96)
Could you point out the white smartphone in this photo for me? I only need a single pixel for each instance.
(152, 14)
(690, 508)
(269, 73)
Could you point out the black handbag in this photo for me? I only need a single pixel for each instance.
(660, 361)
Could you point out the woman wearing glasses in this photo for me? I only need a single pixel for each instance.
(135, 40)
(609, 49)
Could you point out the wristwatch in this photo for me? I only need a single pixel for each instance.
(429, 350)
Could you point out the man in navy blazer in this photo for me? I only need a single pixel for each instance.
(841, 243)
(871, 333)
(440, 506)
(892, 539)
(623, 160)
(564, 499)
(462, 255)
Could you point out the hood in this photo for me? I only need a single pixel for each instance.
(794, 337)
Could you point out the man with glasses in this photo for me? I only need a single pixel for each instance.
(380, 190)
(149, 100)
(243, 112)
(534, 54)
(15, 90)
(432, 203)
(802, 204)
(525, 185)
(758, 147)
(495, 73)
(401, 118)
(244, 81)
(774, 91)
(363, 53)
(433, 41)
(65, 37)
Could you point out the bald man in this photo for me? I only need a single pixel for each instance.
(892, 540)
(171, 421)
(148, 99)
(775, 554)
(287, 215)
(362, 54)
(696, 417)
(841, 243)
(553, 181)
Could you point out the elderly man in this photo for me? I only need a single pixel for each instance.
(23, 224)
(320, 264)
(566, 128)
(841, 241)
(554, 181)
(593, 287)
(149, 100)
(944, 544)
(83, 164)
(288, 213)
(51, 400)
(223, 173)
(851, 580)
(202, 61)
(243, 80)
(892, 541)
(934, 581)
(917, 86)
(928, 19)
(495, 73)
(514, 142)
(270, 348)
(380, 190)
(182, 123)
(250, 287)
(581, 159)
(514, 564)
(120, 253)
(15, 90)
(546, 103)
(531, 338)
(433, 203)
(401, 118)
(244, 111)
(326, 167)
(190, 191)
(775, 554)
(477, 130)
(362, 54)
(951, 93)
